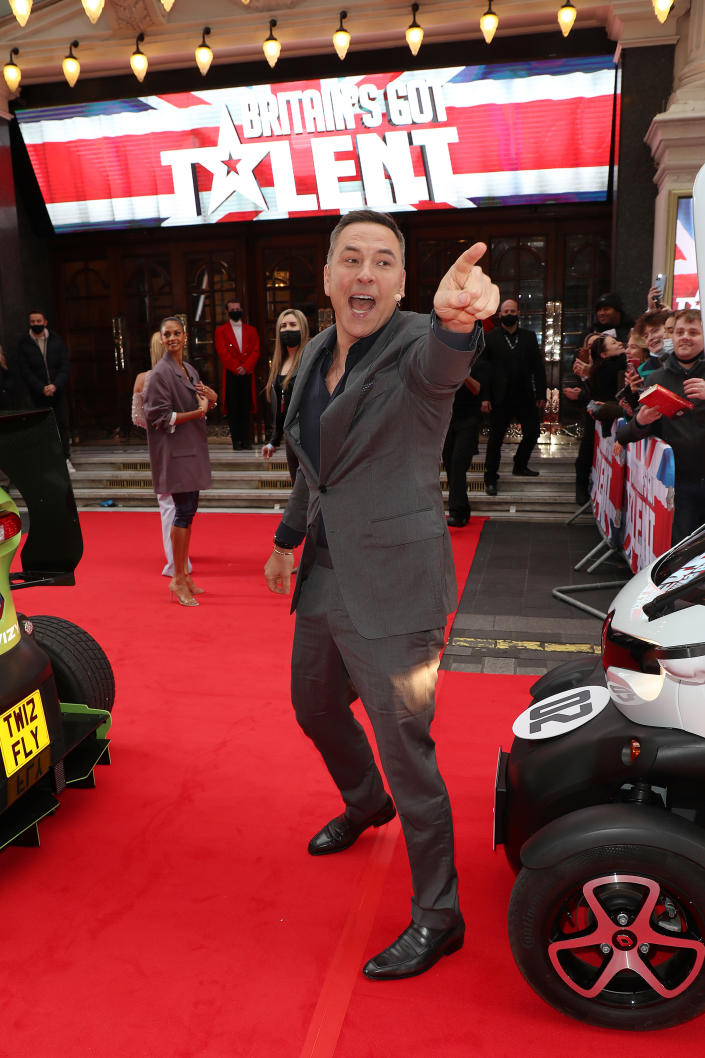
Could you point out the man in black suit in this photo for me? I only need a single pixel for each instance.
(43, 363)
(517, 388)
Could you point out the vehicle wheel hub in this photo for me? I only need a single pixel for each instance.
(597, 958)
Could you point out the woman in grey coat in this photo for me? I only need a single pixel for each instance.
(175, 410)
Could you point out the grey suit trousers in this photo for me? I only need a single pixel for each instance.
(395, 677)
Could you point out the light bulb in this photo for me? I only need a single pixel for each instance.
(271, 47)
(341, 38)
(11, 72)
(138, 60)
(204, 55)
(566, 17)
(21, 10)
(489, 23)
(414, 32)
(661, 9)
(93, 9)
(71, 66)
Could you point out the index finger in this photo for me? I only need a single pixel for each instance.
(467, 261)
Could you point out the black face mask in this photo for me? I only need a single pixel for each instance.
(37, 328)
(290, 338)
(509, 320)
(235, 315)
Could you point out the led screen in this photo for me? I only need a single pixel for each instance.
(460, 137)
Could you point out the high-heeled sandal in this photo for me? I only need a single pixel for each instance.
(181, 593)
(192, 587)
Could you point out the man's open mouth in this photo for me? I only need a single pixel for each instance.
(361, 303)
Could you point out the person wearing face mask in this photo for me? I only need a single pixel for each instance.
(684, 374)
(292, 336)
(517, 388)
(44, 368)
(668, 333)
(237, 346)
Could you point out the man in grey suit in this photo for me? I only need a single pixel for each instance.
(367, 418)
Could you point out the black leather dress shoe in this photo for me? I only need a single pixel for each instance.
(414, 952)
(342, 832)
(457, 523)
(525, 472)
(491, 488)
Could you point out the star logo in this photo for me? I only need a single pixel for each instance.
(234, 173)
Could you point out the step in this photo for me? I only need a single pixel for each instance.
(243, 480)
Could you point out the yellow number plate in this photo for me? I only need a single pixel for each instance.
(23, 733)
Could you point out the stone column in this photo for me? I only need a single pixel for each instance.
(645, 52)
(676, 135)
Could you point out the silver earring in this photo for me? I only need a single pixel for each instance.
(397, 298)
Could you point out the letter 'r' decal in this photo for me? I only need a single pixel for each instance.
(561, 713)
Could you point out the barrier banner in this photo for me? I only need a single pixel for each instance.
(607, 488)
(650, 483)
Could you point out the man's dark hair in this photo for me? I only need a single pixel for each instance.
(656, 319)
(37, 312)
(366, 216)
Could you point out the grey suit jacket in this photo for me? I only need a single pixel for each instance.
(378, 487)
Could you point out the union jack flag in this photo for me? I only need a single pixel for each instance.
(651, 477)
(607, 490)
(459, 137)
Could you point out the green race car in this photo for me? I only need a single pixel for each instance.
(56, 684)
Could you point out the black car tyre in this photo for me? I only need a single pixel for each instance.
(81, 667)
(614, 936)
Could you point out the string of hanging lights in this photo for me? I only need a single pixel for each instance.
(489, 21)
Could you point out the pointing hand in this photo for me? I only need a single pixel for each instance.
(466, 294)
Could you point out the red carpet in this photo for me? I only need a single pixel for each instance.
(173, 912)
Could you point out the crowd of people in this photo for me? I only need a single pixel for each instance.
(616, 363)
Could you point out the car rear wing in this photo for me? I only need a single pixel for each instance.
(32, 457)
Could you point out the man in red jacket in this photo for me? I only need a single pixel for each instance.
(237, 345)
